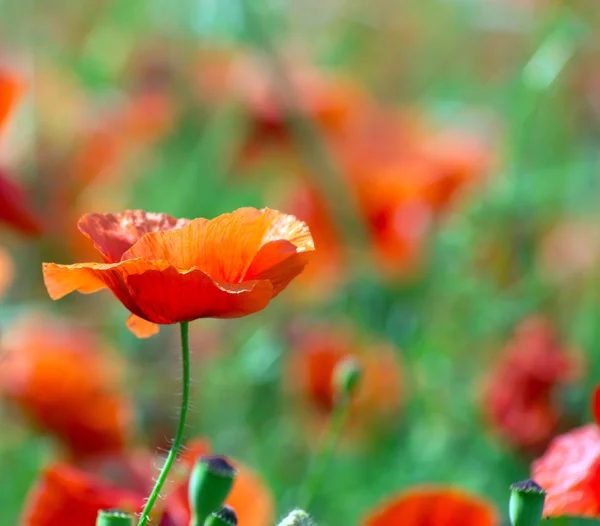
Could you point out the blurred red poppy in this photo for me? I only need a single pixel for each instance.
(168, 271)
(45, 372)
(434, 506)
(64, 494)
(519, 396)
(569, 471)
(309, 375)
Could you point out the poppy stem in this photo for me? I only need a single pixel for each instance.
(322, 459)
(185, 353)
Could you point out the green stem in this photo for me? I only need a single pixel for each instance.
(185, 352)
(322, 458)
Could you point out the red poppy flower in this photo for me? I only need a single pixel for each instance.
(569, 471)
(168, 271)
(11, 89)
(434, 506)
(310, 370)
(65, 496)
(45, 372)
(15, 209)
(519, 397)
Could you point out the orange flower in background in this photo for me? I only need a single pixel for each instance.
(65, 496)
(167, 271)
(57, 377)
(11, 90)
(311, 365)
(434, 506)
(520, 394)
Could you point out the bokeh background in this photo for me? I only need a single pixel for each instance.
(445, 156)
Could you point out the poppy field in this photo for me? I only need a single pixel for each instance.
(299, 263)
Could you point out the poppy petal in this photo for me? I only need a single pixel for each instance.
(223, 247)
(434, 506)
(569, 471)
(141, 327)
(70, 497)
(61, 280)
(15, 209)
(168, 296)
(114, 234)
(11, 89)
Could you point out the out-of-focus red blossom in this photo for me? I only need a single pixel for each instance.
(57, 377)
(519, 397)
(64, 494)
(309, 374)
(15, 209)
(434, 506)
(7, 271)
(569, 471)
(570, 251)
(166, 270)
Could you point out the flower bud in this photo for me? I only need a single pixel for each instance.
(526, 503)
(210, 483)
(346, 378)
(297, 518)
(224, 517)
(114, 518)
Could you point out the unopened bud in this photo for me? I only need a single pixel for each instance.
(346, 378)
(210, 483)
(114, 518)
(297, 518)
(224, 517)
(526, 503)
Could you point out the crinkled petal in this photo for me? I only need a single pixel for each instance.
(114, 234)
(66, 496)
(169, 296)
(569, 471)
(434, 506)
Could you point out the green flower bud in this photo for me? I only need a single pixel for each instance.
(224, 517)
(297, 518)
(526, 503)
(210, 483)
(346, 378)
(114, 518)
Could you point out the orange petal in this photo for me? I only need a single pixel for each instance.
(569, 471)
(141, 327)
(114, 234)
(61, 280)
(7, 271)
(434, 506)
(15, 209)
(70, 497)
(11, 89)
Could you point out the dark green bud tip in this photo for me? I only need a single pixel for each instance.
(526, 504)
(297, 518)
(114, 518)
(224, 517)
(210, 483)
(346, 377)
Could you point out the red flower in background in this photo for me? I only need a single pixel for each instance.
(434, 506)
(58, 378)
(520, 393)
(65, 496)
(15, 209)
(166, 270)
(569, 470)
(311, 365)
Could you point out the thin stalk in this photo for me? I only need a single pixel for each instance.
(323, 456)
(162, 477)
